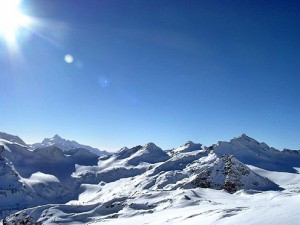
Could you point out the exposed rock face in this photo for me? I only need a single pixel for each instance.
(230, 174)
(2, 149)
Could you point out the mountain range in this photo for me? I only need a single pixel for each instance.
(56, 141)
(61, 181)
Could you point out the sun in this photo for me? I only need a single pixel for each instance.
(11, 19)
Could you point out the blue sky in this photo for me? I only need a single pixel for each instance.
(160, 71)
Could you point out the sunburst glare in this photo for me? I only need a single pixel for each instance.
(11, 20)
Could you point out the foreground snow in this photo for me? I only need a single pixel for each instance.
(197, 206)
(242, 208)
(208, 206)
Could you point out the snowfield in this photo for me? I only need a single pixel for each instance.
(237, 182)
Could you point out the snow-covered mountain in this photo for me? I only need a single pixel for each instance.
(250, 151)
(66, 145)
(226, 183)
(36, 177)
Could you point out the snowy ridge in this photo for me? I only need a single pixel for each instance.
(187, 147)
(12, 138)
(222, 184)
(124, 163)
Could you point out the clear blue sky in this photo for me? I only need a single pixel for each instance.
(160, 71)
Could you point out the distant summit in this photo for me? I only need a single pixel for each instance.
(66, 145)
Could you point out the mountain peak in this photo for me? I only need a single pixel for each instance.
(188, 147)
(149, 153)
(66, 145)
(123, 149)
(151, 145)
(56, 136)
(189, 143)
(244, 137)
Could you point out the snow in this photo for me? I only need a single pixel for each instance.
(232, 182)
(204, 206)
(246, 212)
(42, 177)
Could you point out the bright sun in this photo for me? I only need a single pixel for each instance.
(11, 19)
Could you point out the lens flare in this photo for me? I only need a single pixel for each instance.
(69, 58)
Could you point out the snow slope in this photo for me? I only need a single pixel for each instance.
(14, 193)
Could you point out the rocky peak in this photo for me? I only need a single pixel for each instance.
(231, 175)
